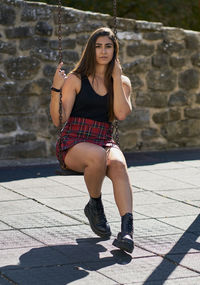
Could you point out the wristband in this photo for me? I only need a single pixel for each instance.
(55, 89)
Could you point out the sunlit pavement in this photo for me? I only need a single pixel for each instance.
(45, 238)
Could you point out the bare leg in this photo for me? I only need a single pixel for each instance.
(117, 172)
(90, 159)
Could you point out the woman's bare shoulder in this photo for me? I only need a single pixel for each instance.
(126, 80)
(73, 81)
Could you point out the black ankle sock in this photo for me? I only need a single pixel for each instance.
(96, 199)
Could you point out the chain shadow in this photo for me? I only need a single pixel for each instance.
(62, 264)
(173, 258)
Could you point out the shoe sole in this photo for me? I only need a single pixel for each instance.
(124, 245)
(100, 234)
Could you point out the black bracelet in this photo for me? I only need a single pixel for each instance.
(55, 89)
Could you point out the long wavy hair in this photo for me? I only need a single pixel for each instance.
(87, 63)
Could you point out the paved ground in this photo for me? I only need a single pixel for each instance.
(45, 238)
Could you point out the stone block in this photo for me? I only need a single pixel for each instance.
(136, 81)
(2, 76)
(153, 36)
(66, 44)
(8, 48)
(192, 41)
(82, 39)
(198, 98)
(49, 71)
(170, 46)
(164, 80)
(45, 54)
(138, 119)
(19, 104)
(176, 61)
(139, 48)
(174, 131)
(9, 88)
(6, 140)
(29, 149)
(37, 123)
(43, 29)
(196, 59)
(149, 133)
(40, 87)
(25, 137)
(136, 66)
(22, 67)
(19, 32)
(70, 56)
(7, 15)
(26, 44)
(192, 112)
(151, 99)
(160, 60)
(166, 116)
(7, 124)
(69, 15)
(33, 12)
(128, 140)
(189, 79)
(178, 98)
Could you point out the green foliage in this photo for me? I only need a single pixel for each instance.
(176, 13)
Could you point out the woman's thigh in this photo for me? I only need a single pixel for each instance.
(82, 154)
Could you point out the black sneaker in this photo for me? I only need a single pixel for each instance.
(124, 239)
(95, 213)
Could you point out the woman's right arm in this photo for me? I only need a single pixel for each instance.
(70, 85)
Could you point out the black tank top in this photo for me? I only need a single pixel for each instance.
(88, 104)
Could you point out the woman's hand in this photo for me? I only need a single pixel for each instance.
(59, 77)
(117, 70)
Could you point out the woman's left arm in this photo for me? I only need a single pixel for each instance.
(122, 93)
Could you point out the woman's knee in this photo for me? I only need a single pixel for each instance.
(97, 158)
(116, 168)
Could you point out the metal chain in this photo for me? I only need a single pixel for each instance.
(116, 123)
(60, 97)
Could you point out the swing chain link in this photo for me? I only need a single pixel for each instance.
(60, 97)
(115, 123)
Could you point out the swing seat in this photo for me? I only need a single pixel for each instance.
(67, 172)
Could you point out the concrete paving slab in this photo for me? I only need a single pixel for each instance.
(169, 244)
(166, 210)
(72, 203)
(60, 235)
(3, 226)
(140, 270)
(15, 239)
(30, 182)
(186, 195)
(38, 220)
(191, 260)
(152, 227)
(188, 175)
(49, 192)
(152, 181)
(159, 166)
(21, 207)
(178, 281)
(183, 223)
(7, 195)
(58, 275)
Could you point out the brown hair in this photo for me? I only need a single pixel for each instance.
(87, 63)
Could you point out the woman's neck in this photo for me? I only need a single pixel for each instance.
(100, 71)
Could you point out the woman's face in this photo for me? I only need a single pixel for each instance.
(104, 50)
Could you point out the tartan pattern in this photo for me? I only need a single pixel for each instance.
(78, 130)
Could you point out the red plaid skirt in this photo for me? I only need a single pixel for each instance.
(78, 130)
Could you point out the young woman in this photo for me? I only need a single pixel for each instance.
(93, 94)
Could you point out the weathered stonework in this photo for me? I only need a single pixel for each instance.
(162, 63)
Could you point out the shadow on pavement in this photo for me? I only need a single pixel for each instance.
(133, 159)
(62, 264)
(186, 242)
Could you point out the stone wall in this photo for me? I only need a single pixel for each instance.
(163, 64)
